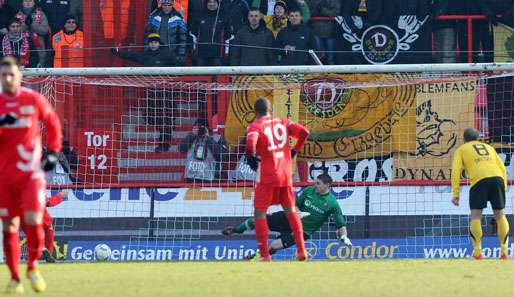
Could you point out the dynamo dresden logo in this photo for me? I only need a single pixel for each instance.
(380, 44)
(325, 97)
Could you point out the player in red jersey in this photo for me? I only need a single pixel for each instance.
(48, 226)
(267, 142)
(22, 182)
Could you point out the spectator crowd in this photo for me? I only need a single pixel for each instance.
(47, 33)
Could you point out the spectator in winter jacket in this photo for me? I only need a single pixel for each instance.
(209, 30)
(170, 26)
(278, 20)
(235, 12)
(325, 30)
(6, 14)
(295, 40)
(68, 44)
(154, 56)
(267, 7)
(34, 19)
(303, 7)
(21, 44)
(253, 43)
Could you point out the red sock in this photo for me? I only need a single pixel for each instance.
(261, 233)
(49, 239)
(35, 239)
(296, 226)
(12, 252)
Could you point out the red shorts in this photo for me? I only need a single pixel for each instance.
(17, 198)
(266, 195)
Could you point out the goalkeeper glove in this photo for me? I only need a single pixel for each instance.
(253, 162)
(49, 161)
(345, 240)
(8, 119)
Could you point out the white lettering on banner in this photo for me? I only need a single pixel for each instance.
(365, 170)
(200, 253)
(93, 140)
(96, 140)
(124, 253)
(225, 253)
(423, 200)
(379, 39)
(197, 166)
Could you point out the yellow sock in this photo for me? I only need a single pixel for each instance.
(475, 228)
(503, 233)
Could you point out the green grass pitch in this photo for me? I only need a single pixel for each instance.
(282, 279)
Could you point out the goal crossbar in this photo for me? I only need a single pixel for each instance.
(252, 70)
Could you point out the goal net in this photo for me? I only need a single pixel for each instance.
(153, 159)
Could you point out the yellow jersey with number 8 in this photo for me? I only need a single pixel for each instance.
(480, 161)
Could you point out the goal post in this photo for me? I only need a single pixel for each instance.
(142, 184)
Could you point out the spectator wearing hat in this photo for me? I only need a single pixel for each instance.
(34, 19)
(68, 44)
(154, 55)
(278, 20)
(171, 27)
(295, 40)
(209, 29)
(253, 43)
(325, 30)
(20, 44)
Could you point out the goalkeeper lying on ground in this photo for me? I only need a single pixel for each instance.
(315, 205)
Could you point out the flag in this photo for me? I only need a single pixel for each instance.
(401, 40)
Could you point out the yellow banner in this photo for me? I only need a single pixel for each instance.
(443, 112)
(353, 117)
(347, 116)
(503, 43)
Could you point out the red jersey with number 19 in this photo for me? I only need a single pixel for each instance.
(268, 138)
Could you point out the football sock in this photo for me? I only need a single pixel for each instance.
(475, 228)
(49, 239)
(261, 233)
(296, 226)
(248, 224)
(12, 253)
(503, 233)
(35, 239)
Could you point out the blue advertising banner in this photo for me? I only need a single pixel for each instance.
(215, 250)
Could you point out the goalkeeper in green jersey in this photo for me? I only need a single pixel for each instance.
(315, 206)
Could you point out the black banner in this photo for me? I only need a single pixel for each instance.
(406, 39)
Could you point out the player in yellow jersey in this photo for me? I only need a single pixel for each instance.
(488, 179)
